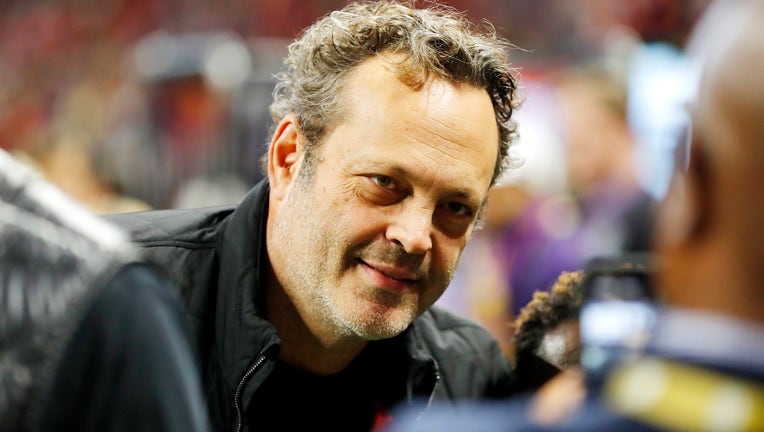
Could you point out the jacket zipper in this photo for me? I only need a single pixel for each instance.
(432, 393)
(237, 394)
(434, 388)
(260, 360)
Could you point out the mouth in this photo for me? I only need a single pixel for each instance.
(391, 278)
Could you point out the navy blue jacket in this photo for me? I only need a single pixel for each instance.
(700, 372)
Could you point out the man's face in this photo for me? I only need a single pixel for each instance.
(373, 238)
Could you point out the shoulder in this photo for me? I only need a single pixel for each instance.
(180, 242)
(506, 415)
(470, 362)
(134, 328)
(443, 330)
(196, 228)
(464, 416)
(139, 286)
(187, 227)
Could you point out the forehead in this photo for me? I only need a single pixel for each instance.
(441, 124)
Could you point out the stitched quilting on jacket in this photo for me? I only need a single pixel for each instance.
(217, 257)
(52, 253)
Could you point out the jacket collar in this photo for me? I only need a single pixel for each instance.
(711, 339)
(241, 332)
(423, 372)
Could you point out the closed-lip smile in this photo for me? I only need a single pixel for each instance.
(394, 272)
(390, 277)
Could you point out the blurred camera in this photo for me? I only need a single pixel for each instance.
(618, 310)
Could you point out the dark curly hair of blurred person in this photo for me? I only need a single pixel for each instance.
(546, 332)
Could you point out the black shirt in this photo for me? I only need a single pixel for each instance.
(355, 399)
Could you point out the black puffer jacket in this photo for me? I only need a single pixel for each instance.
(218, 257)
(49, 269)
(90, 338)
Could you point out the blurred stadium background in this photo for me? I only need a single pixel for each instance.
(164, 103)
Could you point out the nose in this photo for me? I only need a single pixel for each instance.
(413, 231)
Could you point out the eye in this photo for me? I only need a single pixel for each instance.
(459, 209)
(383, 181)
(455, 218)
(380, 189)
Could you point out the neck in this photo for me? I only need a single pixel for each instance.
(714, 280)
(308, 341)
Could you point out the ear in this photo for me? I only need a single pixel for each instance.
(682, 217)
(284, 155)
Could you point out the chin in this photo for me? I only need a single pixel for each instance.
(377, 316)
(380, 334)
(375, 326)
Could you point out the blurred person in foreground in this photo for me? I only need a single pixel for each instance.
(90, 337)
(703, 367)
(547, 332)
(311, 298)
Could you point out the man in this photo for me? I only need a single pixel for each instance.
(703, 368)
(311, 299)
(91, 338)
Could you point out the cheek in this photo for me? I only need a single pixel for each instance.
(353, 225)
(445, 259)
(450, 249)
(428, 299)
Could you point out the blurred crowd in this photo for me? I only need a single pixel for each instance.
(164, 104)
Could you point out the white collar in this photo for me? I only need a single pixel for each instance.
(713, 337)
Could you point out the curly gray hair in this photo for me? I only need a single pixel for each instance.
(433, 41)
